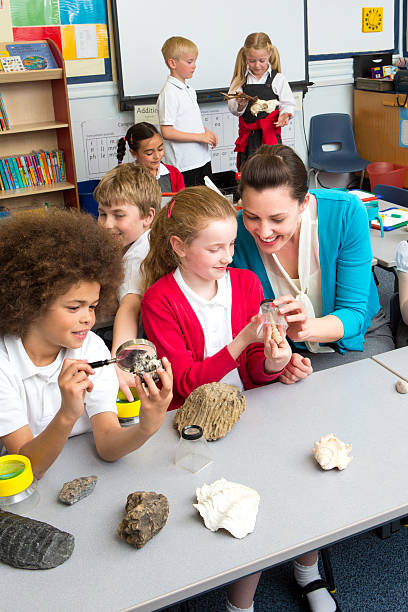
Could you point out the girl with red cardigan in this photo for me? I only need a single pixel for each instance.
(146, 146)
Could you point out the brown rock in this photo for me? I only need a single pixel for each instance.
(146, 515)
(216, 407)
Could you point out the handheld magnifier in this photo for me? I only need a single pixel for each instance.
(17, 481)
(136, 356)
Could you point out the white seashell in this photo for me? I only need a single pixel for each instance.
(266, 106)
(228, 505)
(401, 386)
(330, 452)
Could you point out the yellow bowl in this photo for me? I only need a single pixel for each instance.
(127, 409)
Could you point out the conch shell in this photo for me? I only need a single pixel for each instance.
(264, 106)
(330, 452)
(228, 505)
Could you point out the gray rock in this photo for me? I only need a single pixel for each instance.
(147, 514)
(77, 489)
(29, 544)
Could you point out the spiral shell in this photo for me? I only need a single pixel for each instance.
(330, 452)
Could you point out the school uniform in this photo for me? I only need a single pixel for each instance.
(131, 263)
(177, 106)
(253, 131)
(169, 178)
(30, 395)
(175, 326)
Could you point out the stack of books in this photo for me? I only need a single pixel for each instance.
(33, 170)
(4, 121)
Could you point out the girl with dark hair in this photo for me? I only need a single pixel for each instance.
(146, 146)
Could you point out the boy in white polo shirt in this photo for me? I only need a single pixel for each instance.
(186, 141)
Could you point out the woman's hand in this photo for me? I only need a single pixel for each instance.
(296, 318)
(154, 401)
(283, 120)
(276, 355)
(73, 381)
(298, 367)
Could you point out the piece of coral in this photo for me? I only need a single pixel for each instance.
(215, 407)
(228, 505)
(146, 515)
(401, 386)
(330, 452)
(264, 106)
(29, 544)
(77, 489)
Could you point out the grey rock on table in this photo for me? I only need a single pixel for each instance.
(77, 489)
(29, 544)
(146, 515)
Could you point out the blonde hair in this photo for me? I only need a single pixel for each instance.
(185, 216)
(132, 183)
(176, 46)
(256, 40)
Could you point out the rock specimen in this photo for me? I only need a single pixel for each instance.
(144, 363)
(401, 386)
(228, 505)
(330, 452)
(146, 515)
(77, 489)
(29, 544)
(215, 407)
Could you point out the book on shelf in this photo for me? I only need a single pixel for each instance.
(4, 120)
(33, 170)
(34, 56)
(12, 64)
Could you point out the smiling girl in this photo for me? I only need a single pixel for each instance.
(146, 146)
(57, 269)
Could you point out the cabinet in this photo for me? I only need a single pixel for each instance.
(377, 127)
(38, 110)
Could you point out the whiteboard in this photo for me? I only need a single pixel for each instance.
(218, 28)
(335, 28)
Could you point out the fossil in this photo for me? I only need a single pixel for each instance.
(146, 515)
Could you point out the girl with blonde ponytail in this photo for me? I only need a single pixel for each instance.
(257, 73)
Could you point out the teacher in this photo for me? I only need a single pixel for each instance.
(311, 251)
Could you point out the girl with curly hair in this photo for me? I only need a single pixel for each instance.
(57, 269)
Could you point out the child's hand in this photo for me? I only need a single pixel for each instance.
(277, 355)
(154, 401)
(298, 367)
(283, 120)
(73, 381)
(126, 380)
(209, 138)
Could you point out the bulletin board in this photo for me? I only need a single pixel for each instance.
(219, 30)
(78, 27)
(335, 29)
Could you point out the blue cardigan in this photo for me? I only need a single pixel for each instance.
(348, 287)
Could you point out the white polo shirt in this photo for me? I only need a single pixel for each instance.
(177, 106)
(30, 395)
(215, 319)
(131, 262)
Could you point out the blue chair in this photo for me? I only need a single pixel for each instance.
(395, 195)
(334, 129)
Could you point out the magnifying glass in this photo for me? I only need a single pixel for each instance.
(136, 356)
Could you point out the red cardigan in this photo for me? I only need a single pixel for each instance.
(172, 325)
(176, 178)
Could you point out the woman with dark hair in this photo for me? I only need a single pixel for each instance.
(311, 251)
(146, 146)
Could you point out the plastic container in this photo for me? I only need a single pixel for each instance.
(193, 453)
(17, 483)
(386, 173)
(86, 199)
(128, 412)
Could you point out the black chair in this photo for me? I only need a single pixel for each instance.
(334, 129)
(395, 195)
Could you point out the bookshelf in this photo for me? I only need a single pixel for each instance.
(38, 110)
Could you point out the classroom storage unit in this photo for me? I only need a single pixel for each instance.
(37, 105)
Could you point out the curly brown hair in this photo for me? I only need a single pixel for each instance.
(43, 256)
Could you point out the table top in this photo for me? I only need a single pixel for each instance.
(301, 508)
(384, 248)
(396, 361)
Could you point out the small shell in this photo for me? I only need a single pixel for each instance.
(330, 452)
(401, 386)
(267, 106)
(228, 505)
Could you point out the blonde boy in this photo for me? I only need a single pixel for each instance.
(128, 198)
(186, 141)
